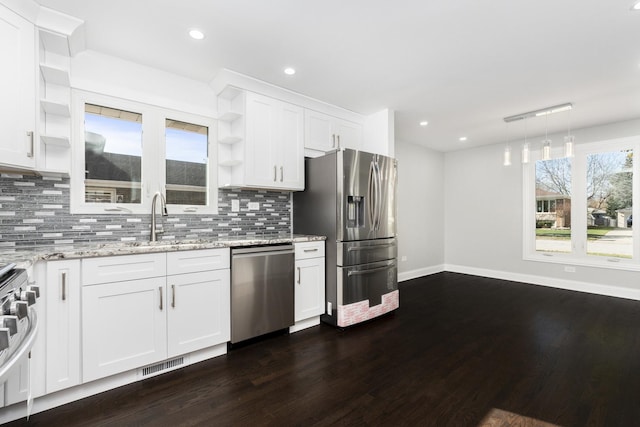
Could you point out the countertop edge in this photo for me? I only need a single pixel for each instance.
(25, 258)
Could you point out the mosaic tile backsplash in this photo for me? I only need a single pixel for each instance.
(34, 211)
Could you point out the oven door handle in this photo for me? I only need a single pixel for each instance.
(23, 349)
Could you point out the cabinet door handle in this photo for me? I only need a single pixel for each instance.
(338, 138)
(275, 173)
(333, 140)
(173, 296)
(30, 152)
(298, 276)
(281, 173)
(160, 292)
(64, 285)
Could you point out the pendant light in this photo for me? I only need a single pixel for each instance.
(525, 146)
(507, 156)
(546, 144)
(569, 139)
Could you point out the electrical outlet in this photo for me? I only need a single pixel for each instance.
(569, 269)
(235, 205)
(253, 206)
(404, 258)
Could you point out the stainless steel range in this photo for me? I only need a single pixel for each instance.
(18, 320)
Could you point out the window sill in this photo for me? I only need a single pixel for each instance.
(592, 262)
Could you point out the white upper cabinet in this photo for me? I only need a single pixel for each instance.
(260, 142)
(325, 133)
(18, 87)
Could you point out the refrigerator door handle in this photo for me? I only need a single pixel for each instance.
(378, 195)
(371, 195)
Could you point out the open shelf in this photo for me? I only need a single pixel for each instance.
(56, 43)
(230, 163)
(57, 108)
(57, 141)
(229, 116)
(54, 75)
(229, 139)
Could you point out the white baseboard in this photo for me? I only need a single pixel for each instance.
(304, 324)
(62, 397)
(414, 274)
(572, 285)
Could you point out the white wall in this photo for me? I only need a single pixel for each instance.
(96, 72)
(379, 130)
(420, 210)
(484, 227)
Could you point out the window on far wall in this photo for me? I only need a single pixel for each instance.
(133, 150)
(553, 205)
(578, 210)
(609, 201)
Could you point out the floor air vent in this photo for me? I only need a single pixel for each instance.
(161, 367)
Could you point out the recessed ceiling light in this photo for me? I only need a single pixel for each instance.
(289, 71)
(636, 5)
(424, 123)
(463, 138)
(196, 34)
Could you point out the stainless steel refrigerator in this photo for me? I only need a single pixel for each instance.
(350, 197)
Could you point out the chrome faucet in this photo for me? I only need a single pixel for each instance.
(163, 207)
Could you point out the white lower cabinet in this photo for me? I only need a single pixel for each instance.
(62, 300)
(309, 283)
(130, 324)
(309, 299)
(198, 312)
(123, 326)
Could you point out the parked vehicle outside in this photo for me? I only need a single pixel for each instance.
(630, 221)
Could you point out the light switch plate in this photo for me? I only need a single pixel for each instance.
(235, 205)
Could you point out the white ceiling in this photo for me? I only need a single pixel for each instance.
(462, 65)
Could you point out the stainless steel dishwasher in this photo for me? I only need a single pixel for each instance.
(261, 290)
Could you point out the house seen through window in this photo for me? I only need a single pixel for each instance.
(584, 205)
(113, 155)
(128, 151)
(186, 163)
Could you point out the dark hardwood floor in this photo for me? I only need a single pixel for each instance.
(461, 351)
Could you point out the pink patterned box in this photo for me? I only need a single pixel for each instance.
(360, 311)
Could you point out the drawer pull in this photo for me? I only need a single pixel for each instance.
(311, 250)
(31, 147)
(64, 286)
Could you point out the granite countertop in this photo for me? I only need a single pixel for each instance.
(26, 257)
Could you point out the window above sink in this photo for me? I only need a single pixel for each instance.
(125, 151)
